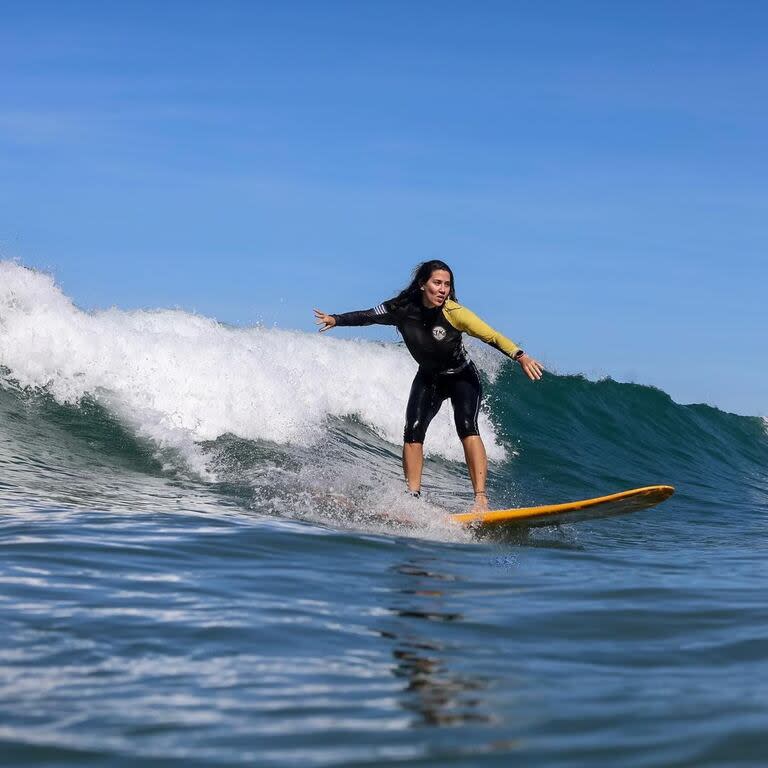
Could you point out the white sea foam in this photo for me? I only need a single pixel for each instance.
(178, 378)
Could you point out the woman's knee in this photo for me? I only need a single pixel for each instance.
(414, 432)
(467, 427)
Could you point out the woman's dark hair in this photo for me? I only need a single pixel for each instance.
(422, 272)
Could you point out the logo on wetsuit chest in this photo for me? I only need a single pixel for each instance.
(438, 332)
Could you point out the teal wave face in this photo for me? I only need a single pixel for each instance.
(577, 437)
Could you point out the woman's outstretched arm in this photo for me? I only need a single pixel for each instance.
(378, 315)
(463, 319)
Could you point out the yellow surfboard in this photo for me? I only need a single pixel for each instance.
(573, 511)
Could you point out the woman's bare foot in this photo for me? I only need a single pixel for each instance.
(481, 502)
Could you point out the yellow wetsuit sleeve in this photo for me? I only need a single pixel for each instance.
(463, 319)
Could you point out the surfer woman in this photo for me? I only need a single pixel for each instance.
(431, 322)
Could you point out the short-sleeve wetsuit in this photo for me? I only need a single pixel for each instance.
(433, 337)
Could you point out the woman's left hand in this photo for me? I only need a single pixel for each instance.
(325, 321)
(532, 368)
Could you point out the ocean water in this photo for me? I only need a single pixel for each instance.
(207, 559)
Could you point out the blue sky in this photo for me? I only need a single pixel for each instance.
(595, 172)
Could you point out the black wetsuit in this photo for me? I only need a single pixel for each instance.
(433, 337)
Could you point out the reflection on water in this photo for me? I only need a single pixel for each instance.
(435, 691)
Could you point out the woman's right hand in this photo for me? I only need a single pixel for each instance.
(326, 322)
(532, 368)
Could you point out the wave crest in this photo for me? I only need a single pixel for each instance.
(179, 378)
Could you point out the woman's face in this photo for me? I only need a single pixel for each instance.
(437, 288)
